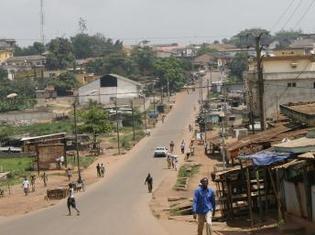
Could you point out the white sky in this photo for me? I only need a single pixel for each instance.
(155, 20)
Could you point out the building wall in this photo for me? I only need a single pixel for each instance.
(105, 95)
(4, 55)
(278, 92)
(286, 66)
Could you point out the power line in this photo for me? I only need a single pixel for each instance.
(282, 15)
(307, 10)
(292, 14)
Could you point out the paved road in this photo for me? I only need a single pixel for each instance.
(120, 205)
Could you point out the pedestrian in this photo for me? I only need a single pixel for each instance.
(173, 162)
(172, 146)
(69, 173)
(169, 163)
(182, 147)
(102, 170)
(62, 161)
(163, 118)
(44, 178)
(98, 170)
(26, 186)
(149, 181)
(176, 163)
(71, 200)
(33, 179)
(204, 206)
(187, 156)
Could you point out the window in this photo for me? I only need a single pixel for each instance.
(314, 85)
(293, 84)
(289, 84)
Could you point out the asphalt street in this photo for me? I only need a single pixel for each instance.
(117, 205)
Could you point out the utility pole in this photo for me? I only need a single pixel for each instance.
(145, 113)
(168, 90)
(259, 59)
(223, 133)
(76, 137)
(251, 114)
(117, 127)
(133, 121)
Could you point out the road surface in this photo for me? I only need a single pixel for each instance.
(117, 205)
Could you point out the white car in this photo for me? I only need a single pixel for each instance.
(160, 152)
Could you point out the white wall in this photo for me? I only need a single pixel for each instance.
(103, 95)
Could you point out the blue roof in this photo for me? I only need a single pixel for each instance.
(266, 158)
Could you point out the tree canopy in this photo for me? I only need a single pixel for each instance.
(238, 65)
(94, 120)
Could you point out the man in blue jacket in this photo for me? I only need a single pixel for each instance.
(204, 206)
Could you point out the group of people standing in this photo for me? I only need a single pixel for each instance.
(100, 170)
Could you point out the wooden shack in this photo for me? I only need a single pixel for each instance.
(30, 143)
(47, 155)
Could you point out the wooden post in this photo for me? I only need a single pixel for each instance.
(37, 157)
(259, 195)
(249, 195)
(308, 193)
(266, 186)
(277, 195)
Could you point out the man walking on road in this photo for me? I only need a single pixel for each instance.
(204, 206)
(71, 200)
(149, 181)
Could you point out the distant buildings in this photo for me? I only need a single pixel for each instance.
(19, 64)
(108, 88)
(288, 77)
(6, 49)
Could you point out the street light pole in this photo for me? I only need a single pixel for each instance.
(76, 137)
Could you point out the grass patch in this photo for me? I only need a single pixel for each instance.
(185, 171)
(18, 167)
(85, 161)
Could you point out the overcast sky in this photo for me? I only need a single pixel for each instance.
(155, 20)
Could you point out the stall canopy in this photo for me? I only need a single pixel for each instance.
(266, 158)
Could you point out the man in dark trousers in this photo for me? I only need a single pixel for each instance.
(204, 206)
(71, 200)
(98, 170)
(149, 181)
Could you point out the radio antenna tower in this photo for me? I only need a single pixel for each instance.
(42, 22)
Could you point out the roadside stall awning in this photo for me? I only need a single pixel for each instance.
(266, 158)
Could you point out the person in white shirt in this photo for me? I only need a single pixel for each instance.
(71, 200)
(26, 186)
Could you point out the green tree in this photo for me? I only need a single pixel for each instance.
(205, 49)
(246, 38)
(285, 38)
(95, 121)
(238, 65)
(144, 58)
(170, 70)
(64, 83)
(3, 74)
(60, 54)
(36, 49)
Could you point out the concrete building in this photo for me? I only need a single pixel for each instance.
(20, 64)
(6, 49)
(288, 78)
(106, 89)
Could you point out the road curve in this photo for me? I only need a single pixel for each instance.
(117, 205)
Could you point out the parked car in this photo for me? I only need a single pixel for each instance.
(160, 152)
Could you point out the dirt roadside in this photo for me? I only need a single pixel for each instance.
(18, 204)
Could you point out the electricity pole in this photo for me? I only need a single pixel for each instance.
(145, 114)
(259, 59)
(117, 127)
(133, 122)
(76, 137)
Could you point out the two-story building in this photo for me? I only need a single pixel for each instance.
(288, 77)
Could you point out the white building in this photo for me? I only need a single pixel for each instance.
(107, 88)
(289, 77)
